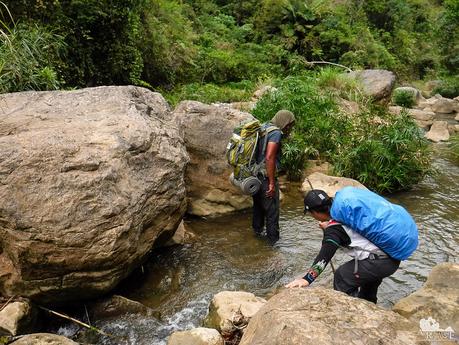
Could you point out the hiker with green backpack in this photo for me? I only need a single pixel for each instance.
(254, 151)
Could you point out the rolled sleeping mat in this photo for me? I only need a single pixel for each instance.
(248, 186)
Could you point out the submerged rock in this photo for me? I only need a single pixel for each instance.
(206, 130)
(89, 180)
(181, 236)
(115, 306)
(324, 317)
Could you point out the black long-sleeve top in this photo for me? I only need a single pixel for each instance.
(334, 237)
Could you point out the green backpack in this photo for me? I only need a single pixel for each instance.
(241, 149)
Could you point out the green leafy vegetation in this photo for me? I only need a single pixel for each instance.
(383, 151)
(404, 98)
(29, 57)
(448, 36)
(449, 87)
(212, 93)
(165, 44)
(294, 159)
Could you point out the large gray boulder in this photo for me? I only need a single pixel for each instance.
(206, 130)
(89, 180)
(438, 299)
(376, 83)
(322, 316)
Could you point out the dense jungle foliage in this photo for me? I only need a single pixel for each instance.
(222, 50)
(166, 43)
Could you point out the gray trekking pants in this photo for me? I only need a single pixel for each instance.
(369, 276)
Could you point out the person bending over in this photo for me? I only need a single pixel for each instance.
(359, 277)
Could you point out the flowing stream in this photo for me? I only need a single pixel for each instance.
(180, 281)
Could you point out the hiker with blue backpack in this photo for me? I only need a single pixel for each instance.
(376, 233)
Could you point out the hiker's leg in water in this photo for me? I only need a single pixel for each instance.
(344, 279)
(258, 213)
(271, 206)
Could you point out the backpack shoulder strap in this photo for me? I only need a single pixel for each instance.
(265, 133)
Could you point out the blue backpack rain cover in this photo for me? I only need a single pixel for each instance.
(388, 226)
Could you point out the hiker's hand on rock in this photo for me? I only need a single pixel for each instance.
(300, 282)
(271, 190)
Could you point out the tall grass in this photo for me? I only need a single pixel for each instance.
(211, 93)
(29, 56)
(384, 152)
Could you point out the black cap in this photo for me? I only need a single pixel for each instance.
(316, 198)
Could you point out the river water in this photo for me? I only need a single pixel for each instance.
(179, 282)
